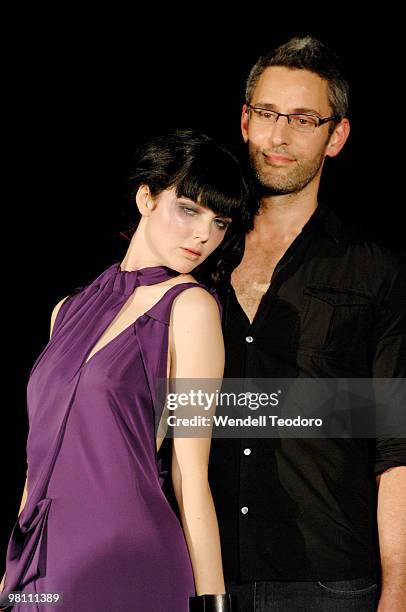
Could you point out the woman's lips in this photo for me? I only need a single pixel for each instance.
(191, 252)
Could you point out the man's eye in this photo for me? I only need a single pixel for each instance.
(305, 121)
(265, 114)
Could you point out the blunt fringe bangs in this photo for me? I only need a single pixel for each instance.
(205, 171)
(198, 167)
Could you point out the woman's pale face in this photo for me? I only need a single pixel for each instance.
(180, 233)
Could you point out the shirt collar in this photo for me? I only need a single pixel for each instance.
(327, 220)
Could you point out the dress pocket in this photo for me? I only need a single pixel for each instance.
(333, 318)
(24, 560)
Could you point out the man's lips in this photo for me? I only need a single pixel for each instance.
(276, 159)
(191, 251)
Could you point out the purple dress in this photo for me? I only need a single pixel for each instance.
(97, 527)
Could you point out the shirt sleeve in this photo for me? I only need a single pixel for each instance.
(389, 362)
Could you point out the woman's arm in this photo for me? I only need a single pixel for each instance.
(25, 493)
(197, 351)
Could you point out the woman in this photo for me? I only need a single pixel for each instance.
(94, 526)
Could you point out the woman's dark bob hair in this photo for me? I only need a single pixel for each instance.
(206, 171)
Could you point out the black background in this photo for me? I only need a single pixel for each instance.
(83, 90)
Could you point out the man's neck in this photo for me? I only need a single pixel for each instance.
(283, 216)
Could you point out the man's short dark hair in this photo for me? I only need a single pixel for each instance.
(306, 53)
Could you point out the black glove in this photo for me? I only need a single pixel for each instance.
(210, 603)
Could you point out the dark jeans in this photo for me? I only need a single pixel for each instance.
(359, 595)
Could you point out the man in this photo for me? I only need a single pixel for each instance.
(309, 298)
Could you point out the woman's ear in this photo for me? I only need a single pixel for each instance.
(144, 200)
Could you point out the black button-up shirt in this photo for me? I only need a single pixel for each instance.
(305, 509)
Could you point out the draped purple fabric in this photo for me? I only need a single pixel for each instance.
(96, 526)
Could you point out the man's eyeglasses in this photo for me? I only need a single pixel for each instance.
(299, 122)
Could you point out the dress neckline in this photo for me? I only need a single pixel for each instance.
(126, 281)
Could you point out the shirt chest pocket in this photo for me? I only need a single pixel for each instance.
(335, 319)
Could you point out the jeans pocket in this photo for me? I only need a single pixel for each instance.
(350, 588)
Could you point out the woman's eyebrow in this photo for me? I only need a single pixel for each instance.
(184, 198)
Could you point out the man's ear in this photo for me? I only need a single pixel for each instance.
(144, 200)
(338, 138)
(244, 122)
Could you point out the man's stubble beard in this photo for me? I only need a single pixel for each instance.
(270, 183)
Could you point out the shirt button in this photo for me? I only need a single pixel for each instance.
(244, 510)
(247, 451)
(249, 339)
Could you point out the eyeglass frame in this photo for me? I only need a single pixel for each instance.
(320, 120)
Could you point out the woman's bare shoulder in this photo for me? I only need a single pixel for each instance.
(195, 303)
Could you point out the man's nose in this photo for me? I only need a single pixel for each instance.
(280, 131)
